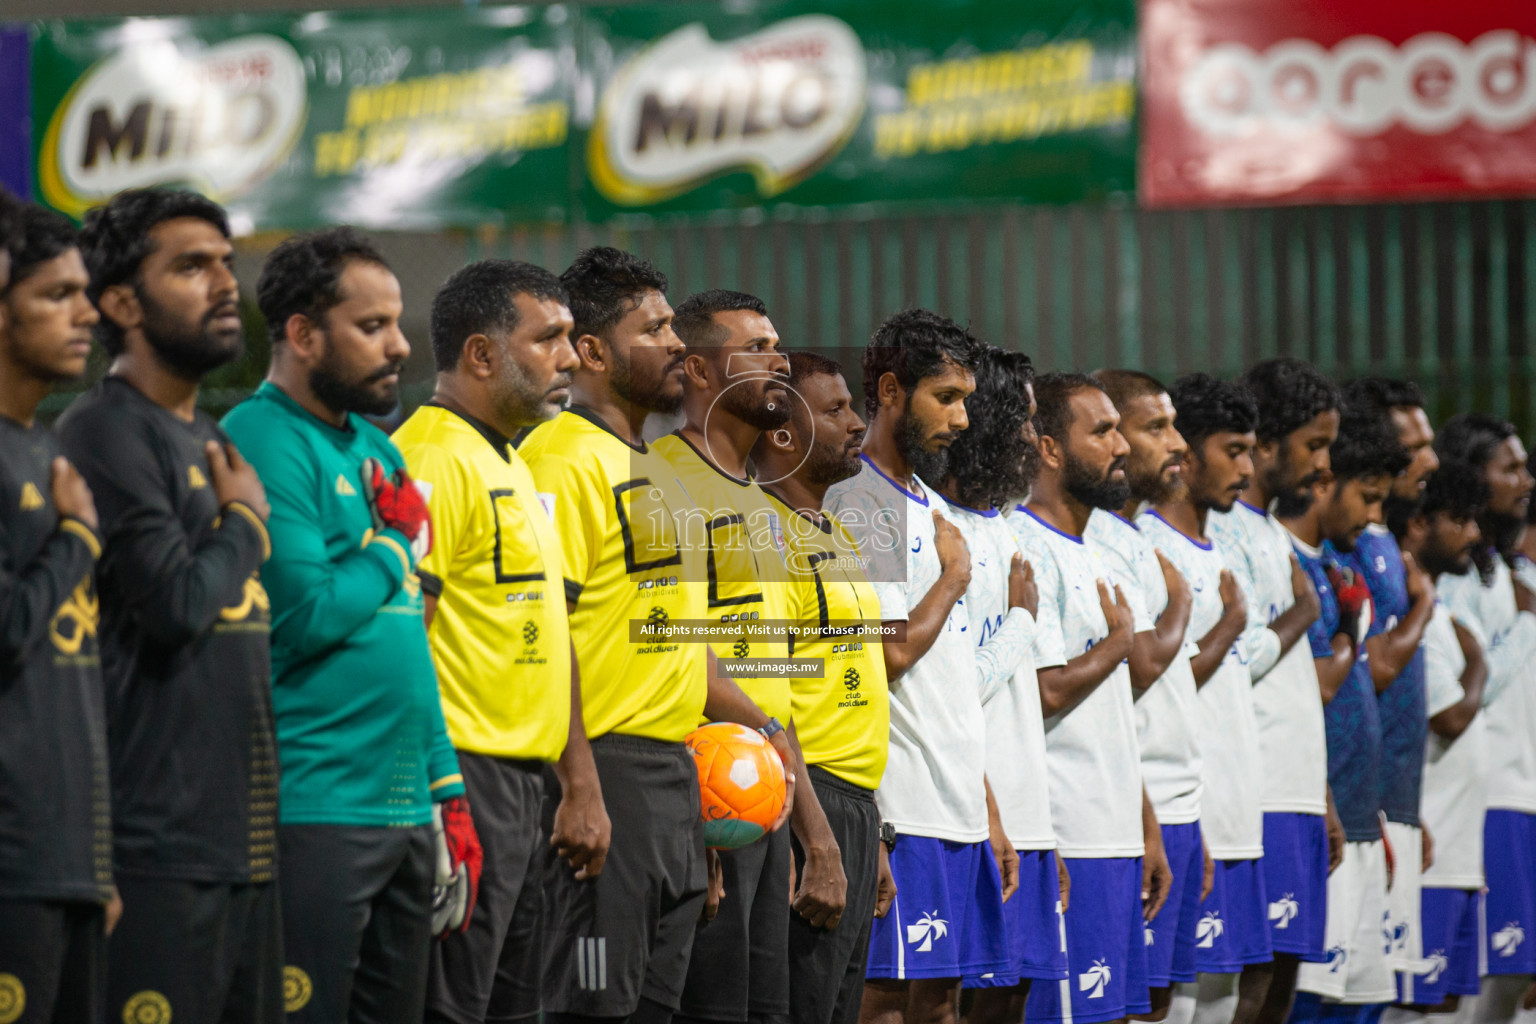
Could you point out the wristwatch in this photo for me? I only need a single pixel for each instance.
(771, 729)
(888, 835)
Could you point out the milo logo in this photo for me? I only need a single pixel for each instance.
(777, 103)
(219, 118)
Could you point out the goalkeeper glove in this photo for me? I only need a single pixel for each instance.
(398, 504)
(459, 859)
(1354, 599)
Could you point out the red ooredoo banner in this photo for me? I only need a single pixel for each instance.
(1248, 101)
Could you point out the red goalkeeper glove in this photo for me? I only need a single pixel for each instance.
(398, 504)
(1354, 599)
(459, 859)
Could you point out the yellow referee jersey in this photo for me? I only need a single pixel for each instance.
(499, 635)
(844, 718)
(742, 535)
(614, 507)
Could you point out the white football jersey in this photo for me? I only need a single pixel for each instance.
(1287, 703)
(1508, 694)
(1455, 794)
(1010, 693)
(934, 782)
(1090, 751)
(1231, 815)
(1165, 711)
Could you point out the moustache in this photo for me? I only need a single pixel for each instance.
(222, 309)
(562, 381)
(1119, 463)
(383, 372)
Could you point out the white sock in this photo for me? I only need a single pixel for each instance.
(1499, 1002)
(1216, 999)
(1403, 1015)
(1181, 1010)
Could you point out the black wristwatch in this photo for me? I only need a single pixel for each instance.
(888, 835)
(772, 729)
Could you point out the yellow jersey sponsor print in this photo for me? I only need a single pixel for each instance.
(615, 509)
(297, 989)
(843, 719)
(499, 634)
(147, 1007)
(13, 999)
(741, 533)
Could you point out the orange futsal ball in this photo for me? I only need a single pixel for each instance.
(741, 783)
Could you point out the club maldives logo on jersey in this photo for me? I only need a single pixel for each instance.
(778, 103)
(219, 117)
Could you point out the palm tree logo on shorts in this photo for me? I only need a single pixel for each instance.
(1094, 979)
(1438, 964)
(1209, 929)
(1508, 939)
(928, 927)
(1284, 910)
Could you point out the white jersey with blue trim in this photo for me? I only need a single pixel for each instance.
(1231, 818)
(1165, 711)
(934, 782)
(1510, 693)
(1010, 691)
(1090, 751)
(1287, 701)
(1455, 795)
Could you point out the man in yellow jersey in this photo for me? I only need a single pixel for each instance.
(843, 717)
(736, 385)
(495, 609)
(618, 945)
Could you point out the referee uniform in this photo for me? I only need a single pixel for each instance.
(843, 721)
(359, 724)
(740, 966)
(624, 937)
(502, 649)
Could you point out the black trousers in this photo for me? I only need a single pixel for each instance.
(826, 968)
(196, 953)
(53, 961)
(357, 922)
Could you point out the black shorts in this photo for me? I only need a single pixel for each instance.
(53, 961)
(357, 922)
(740, 964)
(826, 968)
(627, 933)
(196, 951)
(491, 971)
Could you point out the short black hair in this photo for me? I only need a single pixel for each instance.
(42, 236)
(115, 240)
(1209, 406)
(482, 299)
(1124, 386)
(10, 222)
(914, 344)
(1457, 489)
(1053, 399)
(303, 275)
(804, 365)
(1384, 393)
(1472, 437)
(604, 284)
(1289, 393)
(694, 317)
(1367, 445)
(989, 460)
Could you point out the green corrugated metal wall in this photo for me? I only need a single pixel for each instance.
(1434, 292)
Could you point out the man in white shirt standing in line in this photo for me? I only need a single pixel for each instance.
(1303, 842)
(1493, 599)
(952, 865)
(990, 467)
(1440, 531)
(1105, 825)
(1161, 681)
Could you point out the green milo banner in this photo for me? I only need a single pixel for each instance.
(402, 120)
(499, 114)
(704, 106)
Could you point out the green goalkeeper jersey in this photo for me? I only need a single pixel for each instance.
(360, 731)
